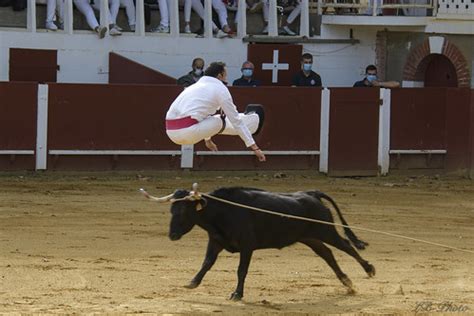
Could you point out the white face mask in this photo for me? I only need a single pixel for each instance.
(198, 71)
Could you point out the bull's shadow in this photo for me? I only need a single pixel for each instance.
(235, 220)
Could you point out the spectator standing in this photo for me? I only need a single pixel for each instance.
(306, 77)
(371, 80)
(194, 75)
(247, 79)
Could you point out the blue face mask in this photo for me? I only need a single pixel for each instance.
(307, 67)
(371, 78)
(247, 72)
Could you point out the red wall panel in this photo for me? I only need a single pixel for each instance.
(353, 131)
(18, 106)
(109, 117)
(418, 118)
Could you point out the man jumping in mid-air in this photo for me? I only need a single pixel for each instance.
(191, 117)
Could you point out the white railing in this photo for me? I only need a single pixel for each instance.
(373, 7)
(447, 8)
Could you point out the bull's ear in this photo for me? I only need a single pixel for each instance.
(201, 204)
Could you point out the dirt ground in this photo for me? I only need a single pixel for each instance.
(90, 243)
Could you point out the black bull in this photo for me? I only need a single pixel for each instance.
(242, 230)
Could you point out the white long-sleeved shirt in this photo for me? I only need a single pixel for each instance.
(203, 99)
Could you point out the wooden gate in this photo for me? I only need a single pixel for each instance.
(353, 132)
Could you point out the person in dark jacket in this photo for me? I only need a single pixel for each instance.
(194, 75)
(306, 77)
(247, 79)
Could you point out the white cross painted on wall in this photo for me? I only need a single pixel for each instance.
(275, 66)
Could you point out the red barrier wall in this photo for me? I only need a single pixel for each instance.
(428, 119)
(18, 106)
(418, 119)
(353, 131)
(110, 117)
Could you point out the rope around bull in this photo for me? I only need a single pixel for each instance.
(333, 224)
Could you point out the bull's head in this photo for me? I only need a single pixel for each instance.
(184, 210)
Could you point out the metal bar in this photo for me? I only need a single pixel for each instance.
(68, 17)
(17, 152)
(116, 152)
(384, 132)
(242, 22)
(174, 18)
(266, 152)
(304, 18)
(418, 151)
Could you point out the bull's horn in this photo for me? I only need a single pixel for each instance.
(157, 199)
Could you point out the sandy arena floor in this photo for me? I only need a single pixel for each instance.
(88, 243)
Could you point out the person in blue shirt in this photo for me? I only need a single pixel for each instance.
(247, 79)
(371, 80)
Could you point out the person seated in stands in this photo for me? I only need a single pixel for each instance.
(129, 10)
(194, 75)
(51, 7)
(164, 26)
(198, 7)
(247, 79)
(306, 77)
(286, 4)
(85, 7)
(371, 80)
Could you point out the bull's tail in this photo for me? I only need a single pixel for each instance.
(359, 244)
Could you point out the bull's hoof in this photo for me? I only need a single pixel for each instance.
(192, 285)
(351, 291)
(235, 297)
(370, 271)
(359, 244)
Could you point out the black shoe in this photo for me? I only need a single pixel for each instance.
(258, 109)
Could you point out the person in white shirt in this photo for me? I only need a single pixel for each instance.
(191, 117)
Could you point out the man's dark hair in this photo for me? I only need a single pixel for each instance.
(307, 56)
(215, 69)
(370, 67)
(195, 60)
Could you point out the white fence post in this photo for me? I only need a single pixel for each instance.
(104, 9)
(68, 17)
(207, 19)
(384, 132)
(273, 19)
(324, 131)
(242, 22)
(140, 16)
(31, 16)
(174, 18)
(304, 19)
(42, 128)
(187, 156)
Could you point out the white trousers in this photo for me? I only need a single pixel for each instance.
(197, 6)
(129, 10)
(291, 18)
(85, 8)
(51, 7)
(221, 10)
(164, 6)
(209, 127)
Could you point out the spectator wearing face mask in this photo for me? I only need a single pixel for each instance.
(306, 77)
(247, 79)
(371, 80)
(194, 75)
